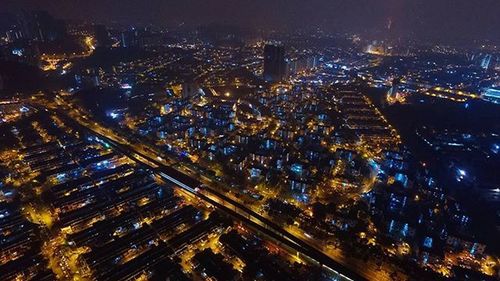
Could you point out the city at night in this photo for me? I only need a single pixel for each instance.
(266, 140)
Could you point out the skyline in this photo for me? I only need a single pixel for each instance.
(438, 21)
(211, 145)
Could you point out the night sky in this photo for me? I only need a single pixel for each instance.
(435, 19)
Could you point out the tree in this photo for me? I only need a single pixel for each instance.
(319, 211)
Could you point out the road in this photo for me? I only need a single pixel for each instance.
(293, 239)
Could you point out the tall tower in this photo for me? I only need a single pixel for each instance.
(129, 38)
(101, 35)
(47, 28)
(274, 62)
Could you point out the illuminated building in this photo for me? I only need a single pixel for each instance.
(297, 65)
(485, 63)
(376, 48)
(87, 78)
(14, 35)
(492, 95)
(21, 51)
(190, 90)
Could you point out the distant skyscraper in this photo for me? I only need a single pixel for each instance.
(46, 28)
(296, 65)
(129, 39)
(274, 62)
(102, 36)
(13, 35)
(87, 78)
(25, 25)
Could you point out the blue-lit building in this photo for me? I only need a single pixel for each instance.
(492, 95)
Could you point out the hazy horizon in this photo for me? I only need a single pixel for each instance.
(441, 20)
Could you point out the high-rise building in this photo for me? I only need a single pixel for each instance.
(13, 35)
(101, 36)
(129, 39)
(304, 63)
(190, 90)
(46, 28)
(24, 25)
(274, 62)
(87, 78)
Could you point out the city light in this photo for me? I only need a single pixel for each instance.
(189, 145)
